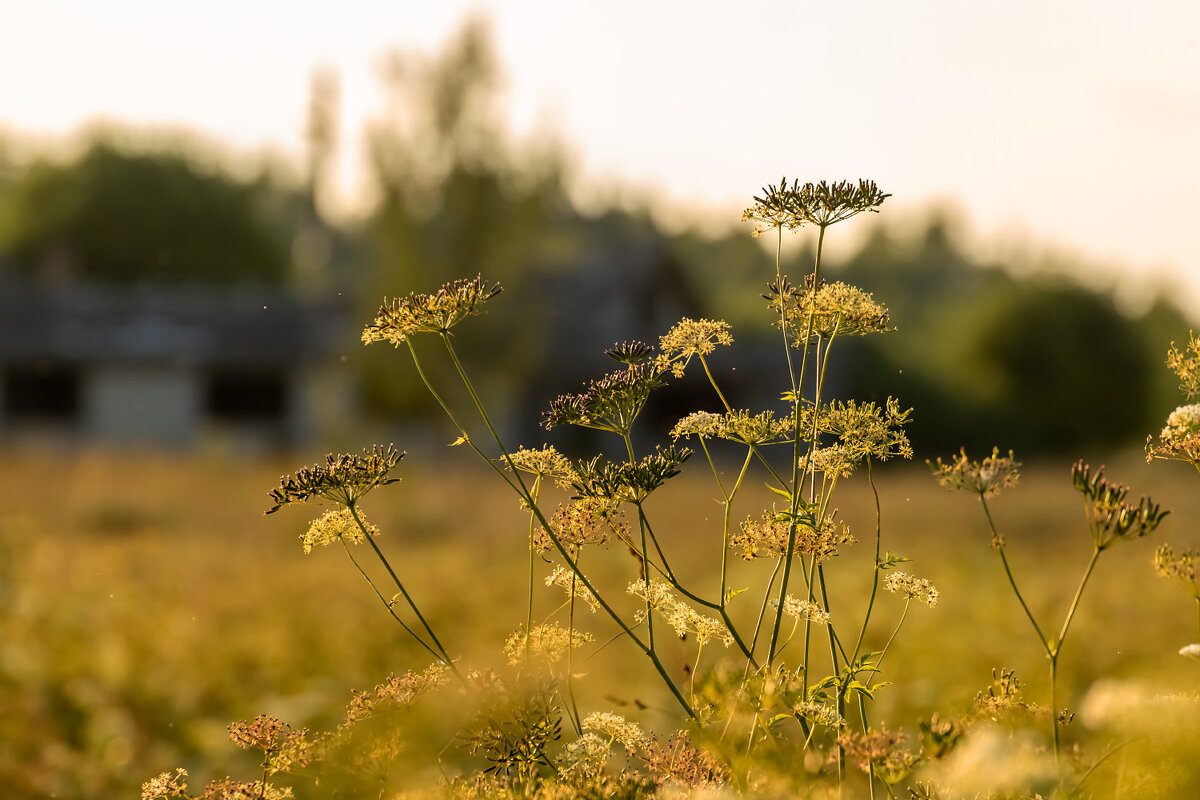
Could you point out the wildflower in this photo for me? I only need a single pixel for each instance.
(879, 751)
(586, 757)
(1186, 364)
(334, 525)
(398, 691)
(773, 208)
(820, 204)
(767, 537)
(566, 580)
(691, 338)
(1180, 439)
(678, 614)
(283, 748)
(587, 520)
(610, 403)
(229, 789)
(1190, 651)
(166, 785)
(863, 431)
(819, 713)
(1111, 518)
(629, 352)
(704, 424)
(1181, 567)
(342, 479)
(1003, 698)
(736, 426)
(911, 587)
(429, 313)
(985, 478)
(617, 729)
(803, 610)
(545, 463)
(551, 642)
(828, 310)
(629, 482)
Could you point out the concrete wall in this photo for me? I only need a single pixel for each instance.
(141, 405)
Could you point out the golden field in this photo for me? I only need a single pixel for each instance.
(147, 602)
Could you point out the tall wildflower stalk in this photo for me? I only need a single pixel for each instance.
(1112, 519)
(827, 440)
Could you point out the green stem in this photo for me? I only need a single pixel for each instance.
(400, 586)
(521, 489)
(1087, 573)
(574, 715)
(797, 486)
(535, 493)
(875, 578)
(387, 604)
(998, 541)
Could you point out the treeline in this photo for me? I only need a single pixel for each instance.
(986, 353)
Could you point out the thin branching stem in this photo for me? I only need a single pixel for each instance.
(519, 486)
(399, 585)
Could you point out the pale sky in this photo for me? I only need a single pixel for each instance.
(1071, 125)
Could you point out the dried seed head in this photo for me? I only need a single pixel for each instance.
(822, 204)
(1111, 518)
(342, 479)
(403, 317)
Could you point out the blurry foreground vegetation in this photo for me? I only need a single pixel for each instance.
(148, 604)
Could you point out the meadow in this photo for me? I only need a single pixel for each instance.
(780, 603)
(150, 603)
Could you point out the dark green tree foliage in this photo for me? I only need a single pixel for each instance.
(1038, 364)
(115, 216)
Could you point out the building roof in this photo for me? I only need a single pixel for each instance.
(140, 323)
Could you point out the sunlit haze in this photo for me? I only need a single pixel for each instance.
(1071, 125)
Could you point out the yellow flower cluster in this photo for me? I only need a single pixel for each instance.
(679, 615)
(334, 525)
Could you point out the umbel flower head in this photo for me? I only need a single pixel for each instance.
(691, 337)
(402, 317)
(610, 403)
(1112, 519)
(342, 479)
(629, 482)
(1180, 567)
(735, 426)
(1186, 364)
(1180, 438)
(986, 478)
(830, 309)
(821, 204)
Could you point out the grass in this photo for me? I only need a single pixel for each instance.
(143, 618)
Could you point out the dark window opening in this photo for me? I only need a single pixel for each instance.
(252, 395)
(42, 392)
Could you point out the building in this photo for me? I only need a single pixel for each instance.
(170, 366)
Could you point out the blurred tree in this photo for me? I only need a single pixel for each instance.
(116, 216)
(457, 198)
(1037, 364)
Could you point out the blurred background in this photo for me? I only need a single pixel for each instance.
(200, 209)
(197, 216)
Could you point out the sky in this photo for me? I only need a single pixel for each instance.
(1067, 126)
